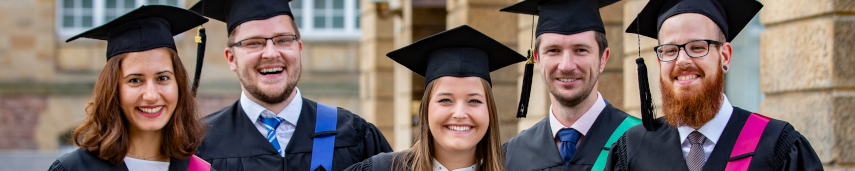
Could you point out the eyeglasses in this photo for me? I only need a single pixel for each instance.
(282, 42)
(695, 49)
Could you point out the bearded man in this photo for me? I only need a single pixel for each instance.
(700, 129)
(271, 126)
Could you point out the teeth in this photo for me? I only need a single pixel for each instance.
(566, 79)
(151, 110)
(269, 70)
(459, 128)
(687, 77)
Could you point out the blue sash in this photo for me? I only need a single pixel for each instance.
(324, 137)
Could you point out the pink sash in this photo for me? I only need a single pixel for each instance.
(197, 164)
(747, 142)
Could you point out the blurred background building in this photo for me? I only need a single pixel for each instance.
(794, 62)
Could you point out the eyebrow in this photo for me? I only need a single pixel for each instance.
(449, 94)
(158, 73)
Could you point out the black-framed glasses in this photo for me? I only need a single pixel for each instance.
(694, 48)
(282, 42)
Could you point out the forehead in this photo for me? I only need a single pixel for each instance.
(158, 59)
(587, 37)
(451, 84)
(685, 27)
(270, 27)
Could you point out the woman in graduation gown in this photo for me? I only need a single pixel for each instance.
(458, 122)
(143, 115)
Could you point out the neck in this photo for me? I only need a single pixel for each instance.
(568, 114)
(453, 159)
(146, 145)
(273, 107)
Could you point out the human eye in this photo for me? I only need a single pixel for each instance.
(475, 101)
(444, 101)
(163, 78)
(135, 81)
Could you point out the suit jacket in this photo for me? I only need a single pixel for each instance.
(233, 142)
(81, 159)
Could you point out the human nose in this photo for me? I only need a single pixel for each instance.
(269, 50)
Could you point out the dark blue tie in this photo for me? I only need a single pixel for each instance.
(568, 137)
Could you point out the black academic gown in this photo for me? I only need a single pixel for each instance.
(81, 159)
(233, 143)
(780, 148)
(382, 162)
(535, 148)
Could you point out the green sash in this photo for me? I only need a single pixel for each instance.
(625, 125)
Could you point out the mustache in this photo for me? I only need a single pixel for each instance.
(690, 68)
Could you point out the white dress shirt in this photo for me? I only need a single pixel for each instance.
(582, 125)
(145, 165)
(439, 167)
(711, 130)
(290, 114)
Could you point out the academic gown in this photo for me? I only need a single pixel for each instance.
(81, 159)
(233, 142)
(780, 148)
(535, 148)
(381, 162)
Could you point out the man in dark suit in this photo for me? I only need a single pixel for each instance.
(272, 127)
(571, 51)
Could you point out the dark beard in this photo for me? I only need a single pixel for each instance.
(693, 109)
(574, 99)
(273, 98)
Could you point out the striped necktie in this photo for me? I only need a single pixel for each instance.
(270, 124)
(695, 159)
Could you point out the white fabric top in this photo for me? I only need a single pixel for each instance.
(582, 125)
(439, 167)
(145, 165)
(711, 130)
(290, 114)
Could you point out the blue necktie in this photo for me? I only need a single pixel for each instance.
(568, 137)
(271, 124)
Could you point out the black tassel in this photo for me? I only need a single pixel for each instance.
(647, 117)
(526, 87)
(200, 57)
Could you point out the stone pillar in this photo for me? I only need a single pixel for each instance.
(611, 79)
(484, 16)
(376, 76)
(807, 73)
(630, 51)
(538, 103)
(403, 84)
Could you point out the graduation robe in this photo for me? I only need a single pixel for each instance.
(82, 159)
(780, 148)
(233, 142)
(381, 162)
(535, 148)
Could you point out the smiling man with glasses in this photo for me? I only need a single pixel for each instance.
(700, 129)
(271, 126)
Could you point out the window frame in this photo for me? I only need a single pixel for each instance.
(351, 30)
(98, 15)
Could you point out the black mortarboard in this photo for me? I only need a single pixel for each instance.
(730, 15)
(245, 10)
(563, 16)
(458, 52)
(144, 28)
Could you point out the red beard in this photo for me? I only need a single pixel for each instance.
(692, 108)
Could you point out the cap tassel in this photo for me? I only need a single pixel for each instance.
(526, 87)
(647, 115)
(200, 57)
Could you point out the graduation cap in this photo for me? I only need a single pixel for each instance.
(458, 52)
(563, 16)
(145, 28)
(236, 12)
(731, 16)
(557, 16)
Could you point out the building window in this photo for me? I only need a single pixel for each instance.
(327, 19)
(77, 16)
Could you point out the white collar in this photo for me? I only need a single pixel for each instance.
(712, 129)
(584, 123)
(291, 113)
(439, 167)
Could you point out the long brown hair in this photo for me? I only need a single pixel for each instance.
(488, 150)
(104, 132)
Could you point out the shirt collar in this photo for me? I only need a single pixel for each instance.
(439, 167)
(291, 113)
(584, 123)
(711, 130)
